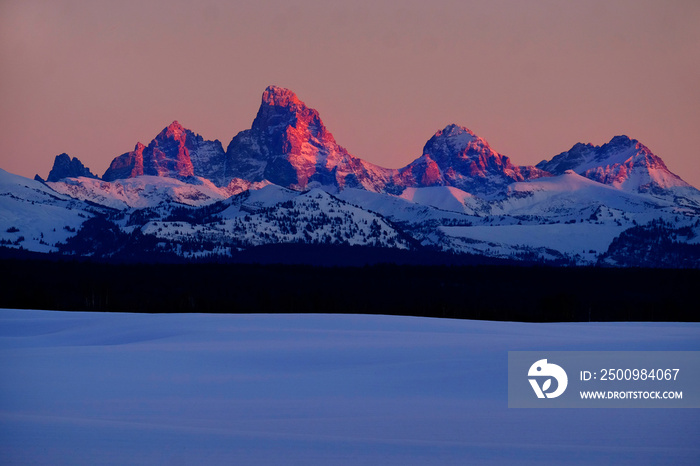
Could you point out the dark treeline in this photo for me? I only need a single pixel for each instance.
(488, 292)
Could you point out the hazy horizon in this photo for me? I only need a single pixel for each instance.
(532, 79)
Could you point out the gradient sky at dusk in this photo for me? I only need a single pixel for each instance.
(91, 78)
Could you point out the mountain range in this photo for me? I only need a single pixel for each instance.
(286, 181)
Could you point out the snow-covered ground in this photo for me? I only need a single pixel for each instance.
(89, 388)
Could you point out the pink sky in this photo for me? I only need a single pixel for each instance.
(532, 78)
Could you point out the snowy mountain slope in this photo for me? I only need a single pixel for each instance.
(27, 190)
(447, 198)
(313, 217)
(450, 229)
(254, 200)
(184, 194)
(402, 210)
(572, 193)
(149, 191)
(582, 242)
(36, 218)
(659, 243)
(567, 218)
(562, 216)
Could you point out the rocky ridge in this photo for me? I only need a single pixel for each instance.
(289, 145)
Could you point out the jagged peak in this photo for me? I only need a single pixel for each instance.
(622, 139)
(280, 97)
(623, 143)
(66, 167)
(616, 142)
(579, 146)
(581, 151)
(281, 108)
(454, 139)
(62, 157)
(454, 130)
(173, 131)
(613, 163)
(458, 137)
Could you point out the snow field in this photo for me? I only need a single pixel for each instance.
(90, 388)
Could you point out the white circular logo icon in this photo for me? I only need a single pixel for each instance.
(546, 371)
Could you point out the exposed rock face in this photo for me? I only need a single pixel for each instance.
(168, 155)
(624, 163)
(128, 165)
(455, 156)
(175, 153)
(208, 158)
(66, 167)
(289, 145)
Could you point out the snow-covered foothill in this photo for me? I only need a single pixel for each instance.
(446, 198)
(34, 217)
(261, 217)
(142, 191)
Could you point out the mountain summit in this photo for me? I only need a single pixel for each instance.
(66, 167)
(623, 163)
(175, 152)
(457, 157)
(289, 145)
(281, 108)
(286, 181)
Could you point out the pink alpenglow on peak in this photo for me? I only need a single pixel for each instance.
(168, 154)
(280, 97)
(175, 152)
(289, 145)
(127, 165)
(174, 130)
(623, 163)
(457, 157)
(281, 108)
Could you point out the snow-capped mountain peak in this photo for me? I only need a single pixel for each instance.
(457, 138)
(455, 156)
(174, 130)
(286, 179)
(623, 163)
